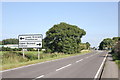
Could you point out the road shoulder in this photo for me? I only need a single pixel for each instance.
(110, 69)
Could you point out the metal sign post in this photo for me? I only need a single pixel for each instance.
(23, 53)
(38, 53)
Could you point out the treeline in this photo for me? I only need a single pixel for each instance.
(61, 37)
(113, 45)
(15, 49)
(116, 51)
(9, 41)
(108, 43)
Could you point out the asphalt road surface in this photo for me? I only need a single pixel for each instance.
(80, 66)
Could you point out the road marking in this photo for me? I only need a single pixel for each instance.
(79, 60)
(39, 77)
(96, 76)
(63, 67)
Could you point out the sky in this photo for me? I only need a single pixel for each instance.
(98, 19)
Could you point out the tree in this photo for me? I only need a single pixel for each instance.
(82, 46)
(116, 39)
(116, 51)
(87, 45)
(9, 41)
(63, 37)
(116, 48)
(106, 44)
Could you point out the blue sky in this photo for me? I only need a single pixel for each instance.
(98, 19)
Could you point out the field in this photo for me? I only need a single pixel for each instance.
(13, 59)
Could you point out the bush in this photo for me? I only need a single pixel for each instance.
(53, 55)
(6, 49)
(10, 49)
(31, 56)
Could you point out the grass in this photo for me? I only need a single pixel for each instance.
(17, 61)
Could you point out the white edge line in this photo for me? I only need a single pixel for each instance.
(39, 63)
(79, 60)
(100, 68)
(63, 67)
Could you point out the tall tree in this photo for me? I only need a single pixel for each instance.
(106, 44)
(63, 37)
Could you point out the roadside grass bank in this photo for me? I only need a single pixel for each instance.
(13, 59)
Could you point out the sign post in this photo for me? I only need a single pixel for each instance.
(23, 53)
(38, 53)
(30, 41)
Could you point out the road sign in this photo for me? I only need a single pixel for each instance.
(30, 41)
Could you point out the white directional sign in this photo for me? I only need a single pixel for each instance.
(30, 41)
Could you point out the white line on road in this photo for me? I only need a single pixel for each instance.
(63, 67)
(92, 55)
(79, 60)
(96, 76)
(39, 77)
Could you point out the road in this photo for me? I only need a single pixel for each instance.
(80, 66)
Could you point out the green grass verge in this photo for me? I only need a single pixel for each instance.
(45, 57)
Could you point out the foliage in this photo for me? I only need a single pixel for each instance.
(31, 49)
(9, 41)
(87, 45)
(64, 38)
(106, 44)
(109, 43)
(84, 46)
(10, 49)
(114, 44)
(116, 39)
(116, 51)
(0, 42)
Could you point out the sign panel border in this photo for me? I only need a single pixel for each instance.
(29, 41)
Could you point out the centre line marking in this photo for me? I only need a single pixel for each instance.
(63, 67)
(79, 60)
(39, 77)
